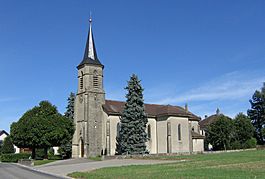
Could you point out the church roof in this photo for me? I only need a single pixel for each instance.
(90, 55)
(152, 110)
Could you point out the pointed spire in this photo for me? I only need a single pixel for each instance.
(90, 56)
(91, 49)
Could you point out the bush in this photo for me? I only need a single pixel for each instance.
(236, 145)
(7, 147)
(250, 143)
(14, 157)
(40, 154)
(65, 150)
(51, 151)
(54, 157)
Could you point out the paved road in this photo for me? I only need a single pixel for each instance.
(14, 171)
(64, 168)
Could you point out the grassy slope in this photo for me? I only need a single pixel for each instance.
(247, 164)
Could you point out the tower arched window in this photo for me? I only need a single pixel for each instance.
(179, 132)
(149, 131)
(95, 79)
(81, 80)
(118, 130)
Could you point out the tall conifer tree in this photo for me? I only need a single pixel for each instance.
(132, 135)
(70, 107)
(257, 114)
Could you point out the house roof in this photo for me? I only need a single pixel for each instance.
(196, 135)
(152, 110)
(3, 132)
(90, 55)
(207, 121)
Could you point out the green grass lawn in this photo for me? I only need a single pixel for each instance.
(245, 164)
(42, 162)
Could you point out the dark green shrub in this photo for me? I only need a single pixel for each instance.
(236, 145)
(40, 154)
(14, 157)
(65, 150)
(250, 143)
(54, 157)
(51, 151)
(7, 147)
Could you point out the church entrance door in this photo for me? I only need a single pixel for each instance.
(82, 148)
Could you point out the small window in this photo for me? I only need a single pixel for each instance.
(95, 79)
(81, 80)
(149, 131)
(179, 132)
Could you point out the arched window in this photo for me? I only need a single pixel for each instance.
(118, 129)
(81, 80)
(95, 79)
(149, 131)
(179, 132)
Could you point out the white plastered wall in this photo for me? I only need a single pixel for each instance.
(195, 126)
(113, 121)
(197, 145)
(151, 143)
(161, 135)
(183, 145)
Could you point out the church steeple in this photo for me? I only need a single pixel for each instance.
(90, 55)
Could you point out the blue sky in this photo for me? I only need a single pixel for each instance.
(208, 54)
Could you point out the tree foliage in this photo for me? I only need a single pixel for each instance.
(70, 106)
(41, 127)
(8, 147)
(257, 114)
(66, 148)
(132, 135)
(243, 129)
(219, 133)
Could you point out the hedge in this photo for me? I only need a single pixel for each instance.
(14, 157)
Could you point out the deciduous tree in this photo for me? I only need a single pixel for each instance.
(219, 133)
(243, 129)
(41, 127)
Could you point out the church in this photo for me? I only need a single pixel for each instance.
(170, 129)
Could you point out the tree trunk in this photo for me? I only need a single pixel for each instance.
(33, 153)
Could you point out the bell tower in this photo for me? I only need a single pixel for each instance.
(88, 116)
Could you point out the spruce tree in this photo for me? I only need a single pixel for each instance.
(132, 135)
(70, 107)
(66, 148)
(257, 114)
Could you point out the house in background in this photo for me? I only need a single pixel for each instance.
(3, 135)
